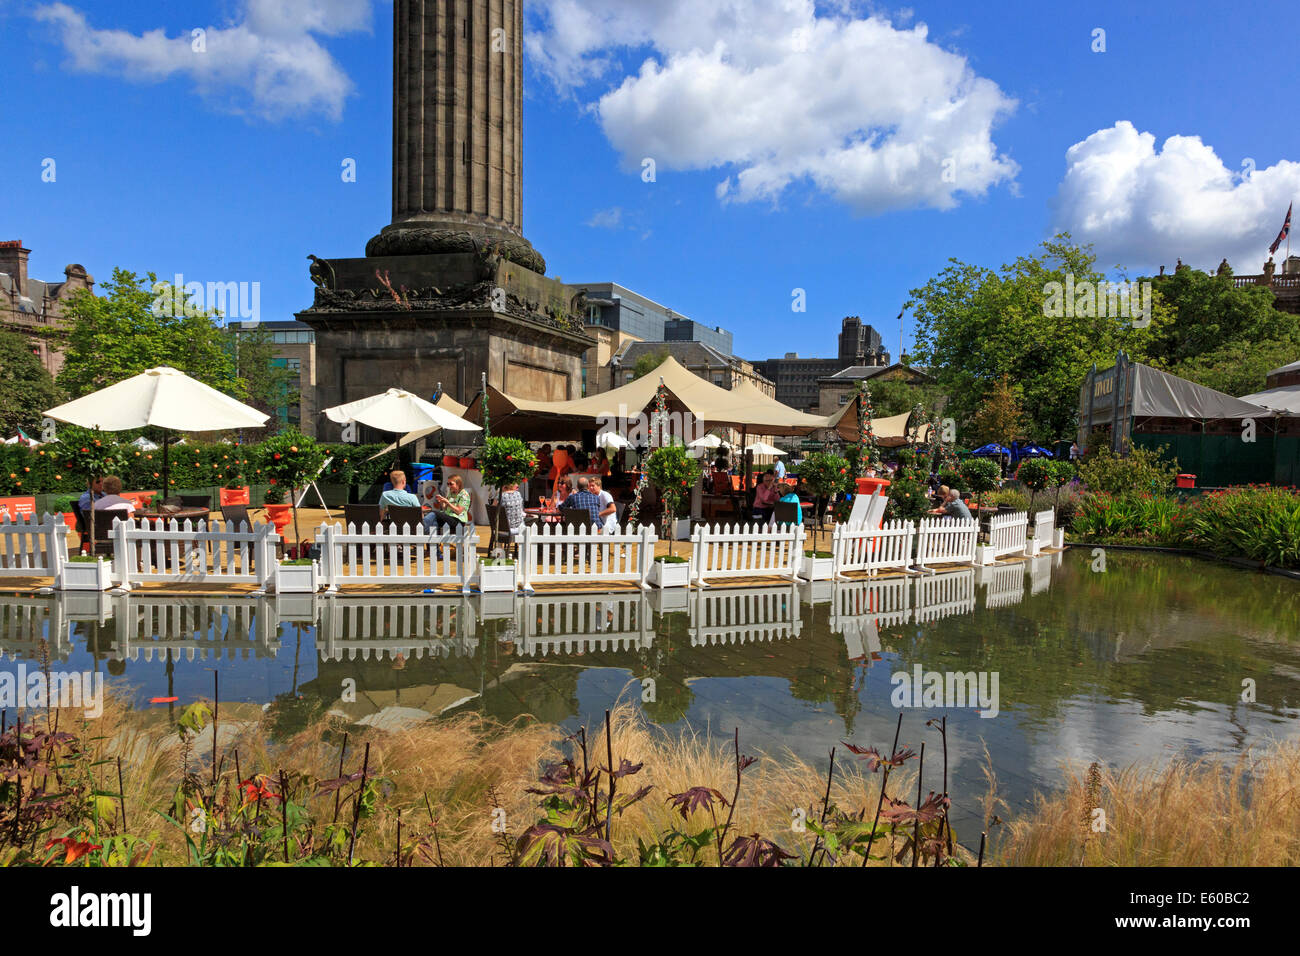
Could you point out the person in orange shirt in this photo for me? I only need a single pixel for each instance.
(599, 464)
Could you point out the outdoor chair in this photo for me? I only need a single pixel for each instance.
(579, 518)
(236, 516)
(499, 525)
(786, 512)
(103, 541)
(196, 501)
(357, 515)
(406, 516)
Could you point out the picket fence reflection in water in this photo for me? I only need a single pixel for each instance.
(1144, 661)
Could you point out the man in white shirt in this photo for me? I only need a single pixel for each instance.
(608, 511)
(779, 468)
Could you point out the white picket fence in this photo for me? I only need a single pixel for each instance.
(188, 552)
(572, 555)
(1004, 584)
(583, 624)
(1044, 528)
(391, 555)
(945, 541)
(873, 549)
(366, 628)
(1007, 533)
(746, 551)
(744, 615)
(942, 595)
(149, 624)
(32, 547)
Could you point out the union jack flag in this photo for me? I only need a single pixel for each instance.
(1281, 236)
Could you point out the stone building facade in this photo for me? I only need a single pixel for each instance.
(836, 391)
(35, 308)
(797, 378)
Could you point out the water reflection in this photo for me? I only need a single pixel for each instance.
(1145, 660)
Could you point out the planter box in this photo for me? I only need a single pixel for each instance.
(1032, 547)
(1058, 538)
(984, 555)
(497, 604)
(497, 577)
(671, 600)
(681, 529)
(816, 569)
(297, 578)
(816, 592)
(85, 576)
(669, 574)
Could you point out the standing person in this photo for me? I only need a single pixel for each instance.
(397, 495)
(1074, 451)
(544, 461)
(778, 469)
(583, 498)
(608, 513)
(766, 497)
(452, 509)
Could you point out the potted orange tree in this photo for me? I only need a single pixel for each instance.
(674, 473)
(290, 460)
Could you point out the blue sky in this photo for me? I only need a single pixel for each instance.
(829, 126)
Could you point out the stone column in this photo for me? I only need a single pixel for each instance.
(457, 130)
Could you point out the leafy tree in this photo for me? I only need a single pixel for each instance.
(1208, 312)
(976, 325)
(268, 386)
(674, 473)
(1141, 471)
(980, 475)
(132, 328)
(648, 363)
(1035, 474)
(1238, 368)
(506, 461)
(999, 417)
(895, 396)
(826, 476)
(27, 386)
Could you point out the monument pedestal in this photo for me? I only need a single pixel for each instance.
(416, 321)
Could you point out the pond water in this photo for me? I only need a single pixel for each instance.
(1147, 660)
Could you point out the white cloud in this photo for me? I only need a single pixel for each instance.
(774, 94)
(267, 62)
(1144, 207)
(610, 218)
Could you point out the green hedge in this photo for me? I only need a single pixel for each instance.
(55, 468)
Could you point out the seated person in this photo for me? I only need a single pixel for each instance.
(513, 503)
(112, 499)
(608, 514)
(766, 496)
(790, 495)
(544, 460)
(584, 498)
(92, 494)
(954, 507)
(398, 495)
(452, 509)
(563, 489)
(599, 464)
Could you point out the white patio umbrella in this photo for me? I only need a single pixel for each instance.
(398, 410)
(611, 441)
(164, 398)
(763, 448)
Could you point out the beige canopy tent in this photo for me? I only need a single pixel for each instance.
(890, 432)
(743, 407)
